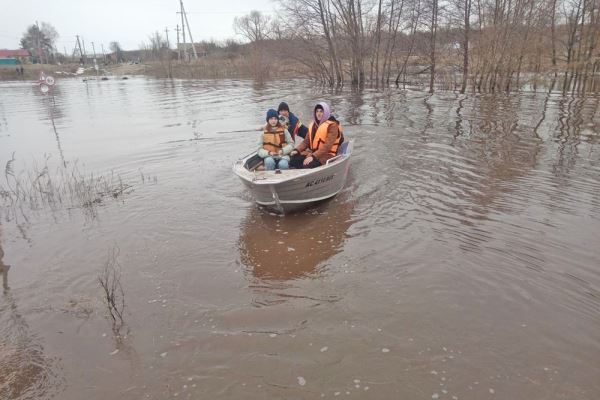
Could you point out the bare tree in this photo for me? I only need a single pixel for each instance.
(415, 21)
(573, 19)
(466, 38)
(255, 26)
(40, 41)
(116, 48)
(433, 32)
(313, 27)
(328, 25)
(350, 15)
(375, 59)
(504, 44)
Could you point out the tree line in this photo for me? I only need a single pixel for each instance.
(479, 45)
(482, 45)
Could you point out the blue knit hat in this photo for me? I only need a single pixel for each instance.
(272, 113)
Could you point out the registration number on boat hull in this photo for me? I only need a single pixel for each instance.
(319, 181)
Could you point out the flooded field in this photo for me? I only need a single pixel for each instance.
(461, 261)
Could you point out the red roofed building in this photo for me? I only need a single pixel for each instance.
(20, 53)
(13, 57)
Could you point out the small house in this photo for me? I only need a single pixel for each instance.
(12, 58)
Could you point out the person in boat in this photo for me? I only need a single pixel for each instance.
(291, 122)
(324, 137)
(275, 143)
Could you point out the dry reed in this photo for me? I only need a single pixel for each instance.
(65, 187)
(110, 282)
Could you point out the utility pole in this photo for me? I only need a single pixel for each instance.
(80, 51)
(103, 55)
(183, 30)
(84, 52)
(95, 62)
(189, 30)
(178, 49)
(167, 35)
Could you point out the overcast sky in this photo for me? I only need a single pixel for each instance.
(130, 22)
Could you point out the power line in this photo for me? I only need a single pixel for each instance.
(230, 12)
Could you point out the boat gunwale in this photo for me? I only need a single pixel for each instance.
(250, 176)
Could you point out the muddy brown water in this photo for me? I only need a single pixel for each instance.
(461, 261)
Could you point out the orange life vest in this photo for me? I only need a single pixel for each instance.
(318, 137)
(273, 141)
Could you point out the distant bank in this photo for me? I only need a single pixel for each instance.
(201, 69)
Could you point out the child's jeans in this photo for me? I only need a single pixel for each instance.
(271, 163)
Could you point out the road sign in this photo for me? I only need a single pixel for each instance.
(46, 82)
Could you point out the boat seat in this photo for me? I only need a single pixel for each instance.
(253, 163)
(342, 149)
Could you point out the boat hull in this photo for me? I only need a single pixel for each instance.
(292, 190)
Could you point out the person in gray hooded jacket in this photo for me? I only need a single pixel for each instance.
(322, 140)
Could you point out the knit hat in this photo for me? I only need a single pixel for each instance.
(272, 113)
(283, 106)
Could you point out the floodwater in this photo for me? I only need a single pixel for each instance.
(461, 261)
